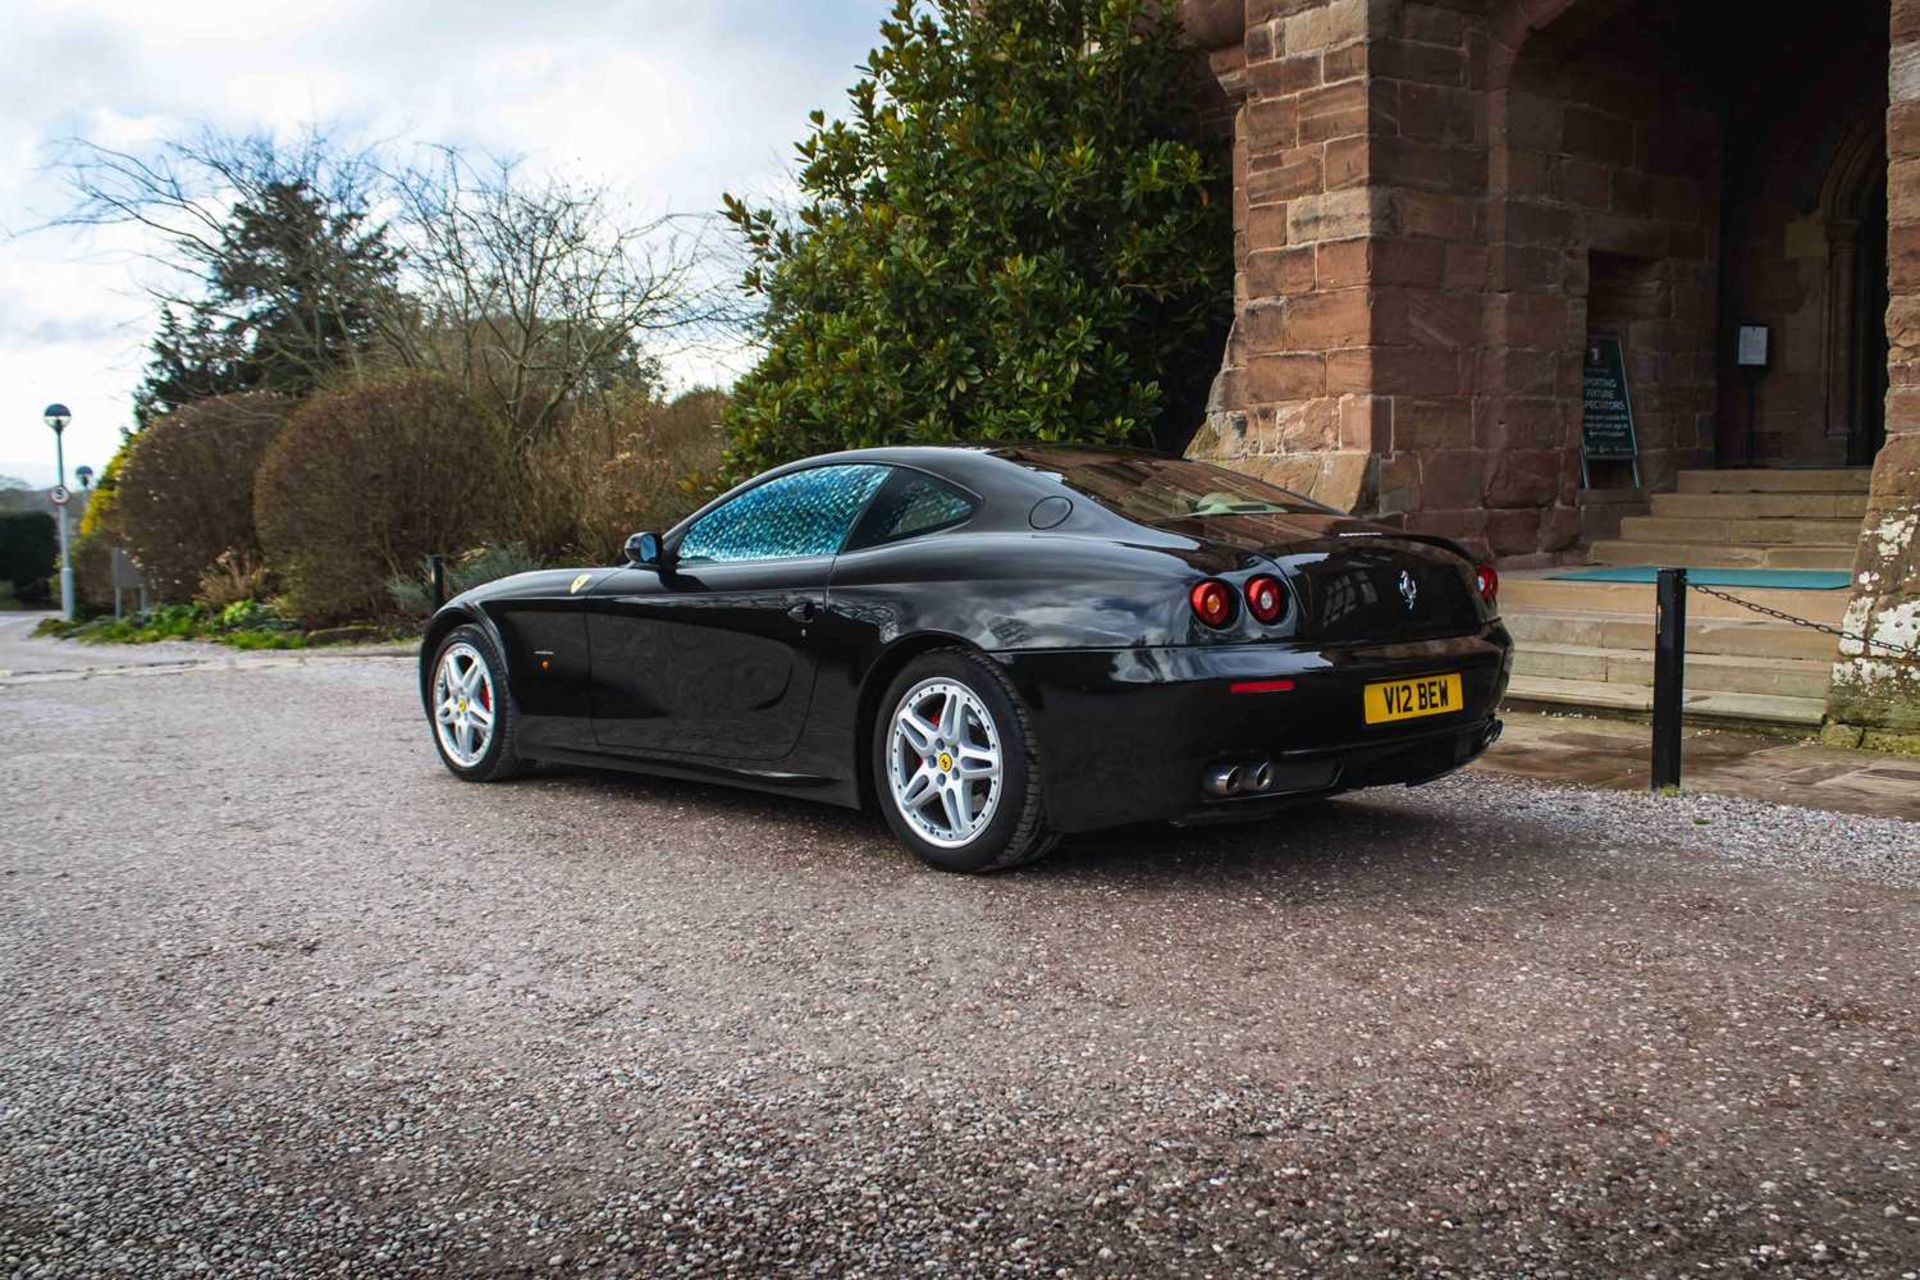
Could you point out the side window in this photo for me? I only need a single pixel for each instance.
(803, 513)
(912, 503)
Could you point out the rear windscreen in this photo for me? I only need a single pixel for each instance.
(1154, 491)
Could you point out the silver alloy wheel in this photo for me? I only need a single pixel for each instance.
(943, 762)
(463, 704)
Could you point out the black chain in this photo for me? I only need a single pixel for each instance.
(1905, 650)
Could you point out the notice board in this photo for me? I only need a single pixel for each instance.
(1606, 420)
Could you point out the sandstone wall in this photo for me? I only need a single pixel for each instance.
(1873, 689)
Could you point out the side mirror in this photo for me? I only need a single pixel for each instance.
(643, 550)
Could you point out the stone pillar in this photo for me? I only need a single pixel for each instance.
(1293, 404)
(1877, 694)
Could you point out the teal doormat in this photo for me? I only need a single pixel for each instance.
(1788, 579)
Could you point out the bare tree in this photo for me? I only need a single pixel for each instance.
(315, 257)
(534, 292)
(273, 269)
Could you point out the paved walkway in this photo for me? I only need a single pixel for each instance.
(25, 657)
(1613, 753)
(23, 653)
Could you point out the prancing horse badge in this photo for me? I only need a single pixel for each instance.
(1409, 589)
(579, 582)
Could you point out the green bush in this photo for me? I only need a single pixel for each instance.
(1013, 236)
(184, 493)
(366, 481)
(29, 554)
(247, 624)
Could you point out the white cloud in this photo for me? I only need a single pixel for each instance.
(669, 102)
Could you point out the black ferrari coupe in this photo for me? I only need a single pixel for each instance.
(996, 646)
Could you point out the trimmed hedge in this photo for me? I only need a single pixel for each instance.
(29, 554)
(184, 494)
(366, 480)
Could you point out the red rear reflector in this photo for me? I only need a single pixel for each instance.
(1263, 686)
(1487, 578)
(1264, 599)
(1212, 602)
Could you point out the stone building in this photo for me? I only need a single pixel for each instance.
(1439, 204)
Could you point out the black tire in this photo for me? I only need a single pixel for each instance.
(501, 759)
(1017, 832)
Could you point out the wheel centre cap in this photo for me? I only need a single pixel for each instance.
(946, 761)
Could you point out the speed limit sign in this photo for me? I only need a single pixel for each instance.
(59, 495)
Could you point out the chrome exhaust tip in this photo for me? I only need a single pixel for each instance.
(1223, 779)
(1259, 777)
(1492, 735)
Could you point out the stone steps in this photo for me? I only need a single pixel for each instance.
(1704, 672)
(1784, 531)
(1758, 638)
(1768, 480)
(1766, 506)
(1531, 591)
(1697, 704)
(1708, 555)
(1590, 644)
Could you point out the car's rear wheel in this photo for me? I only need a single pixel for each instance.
(954, 765)
(472, 718)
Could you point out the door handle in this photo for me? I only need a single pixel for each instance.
(804, 611)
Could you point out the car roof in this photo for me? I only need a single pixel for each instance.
(1022, 466)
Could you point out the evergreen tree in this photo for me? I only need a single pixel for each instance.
(293, 291)
(192, 359)
(1010, 237)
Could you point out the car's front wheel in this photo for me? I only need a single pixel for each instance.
(473, 722)
(954, 765)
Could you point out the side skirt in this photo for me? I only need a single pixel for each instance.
(838, 791)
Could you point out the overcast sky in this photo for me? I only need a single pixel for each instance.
(669, 101)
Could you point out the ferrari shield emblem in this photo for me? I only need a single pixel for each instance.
(579, 582)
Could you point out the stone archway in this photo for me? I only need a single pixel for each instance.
(1852, 203)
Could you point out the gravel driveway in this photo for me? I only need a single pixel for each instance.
(279, 997)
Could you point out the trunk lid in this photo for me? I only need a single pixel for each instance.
(1355, 581)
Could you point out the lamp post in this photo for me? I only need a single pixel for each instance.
(84, 474)
(57, 416)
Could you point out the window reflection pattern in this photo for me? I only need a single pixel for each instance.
(803, 513)
(913, 504)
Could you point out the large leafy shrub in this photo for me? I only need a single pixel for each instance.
(366, 480)
(1010, 237)
(183, 493)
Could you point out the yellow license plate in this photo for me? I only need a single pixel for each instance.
(1409, 699)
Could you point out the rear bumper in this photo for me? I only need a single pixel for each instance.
(1129, 735)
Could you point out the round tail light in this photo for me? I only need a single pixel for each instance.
(1212, 602)
(1487, 578)
(1266, 599)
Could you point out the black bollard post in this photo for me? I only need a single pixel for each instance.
(1669, 674)
(437, 571)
